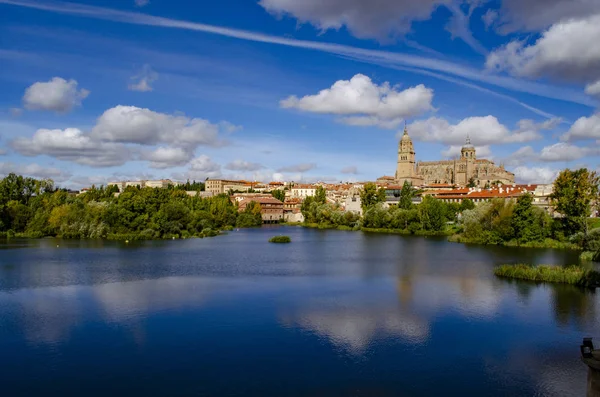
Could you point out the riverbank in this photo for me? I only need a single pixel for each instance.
(575, 275)
(121, 236)
(546, 243)
(403, 232)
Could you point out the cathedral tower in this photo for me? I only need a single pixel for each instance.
(406, 170)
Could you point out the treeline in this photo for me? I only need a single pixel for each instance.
(521, 223)
(430, 217)
(35, 208)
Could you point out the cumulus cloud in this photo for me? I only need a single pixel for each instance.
(563, 151)
(58, 95)
(142, 82)
(130, 124)
(167, 157)
(350, 170)
(365, 103)
(584, 128)
(593, 88)
(536, 15)
(304, 167)
(535, 174)
(34, 170)
(73, 145)
(482, 130)
(568, 50)
(241, 165)
(365, 19)
(203, 167)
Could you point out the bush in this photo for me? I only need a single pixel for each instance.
(575, 275)
(280, 239)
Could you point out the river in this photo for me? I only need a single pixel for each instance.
(331, 314)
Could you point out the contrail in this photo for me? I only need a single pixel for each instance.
(384, 58)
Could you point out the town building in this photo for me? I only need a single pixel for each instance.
(303, 191)
(161, 183)
(271, 208)
(462, 172)
(220, 186)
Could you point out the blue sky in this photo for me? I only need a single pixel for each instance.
(279, 89)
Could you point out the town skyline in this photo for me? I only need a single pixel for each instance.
(274, 90)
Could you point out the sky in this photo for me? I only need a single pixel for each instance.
(313, 90)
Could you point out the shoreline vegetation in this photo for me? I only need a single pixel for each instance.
(280, 239)
(35, 208)
(575, 275)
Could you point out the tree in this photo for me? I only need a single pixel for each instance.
(467, 204)
(321, 195)
(370, 196)
(573, 194)
(278, 194)
(526, 221)
(432, 213)
(472, 182)
(251, 216)
(406, 195)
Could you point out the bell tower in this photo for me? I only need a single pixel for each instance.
(406, 158)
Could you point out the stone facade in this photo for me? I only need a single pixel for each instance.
(456, 172)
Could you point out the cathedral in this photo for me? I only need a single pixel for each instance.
(461, 172)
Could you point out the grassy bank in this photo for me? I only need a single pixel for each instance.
(575, 275)
(589, 256)
(546, 243)
(405, 232)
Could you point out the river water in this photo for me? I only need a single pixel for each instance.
(331, 314)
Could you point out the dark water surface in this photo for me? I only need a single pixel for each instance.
(332, 314)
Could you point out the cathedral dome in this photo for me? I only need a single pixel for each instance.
(468, 144)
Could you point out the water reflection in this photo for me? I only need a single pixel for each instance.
(49, 315)
(573, 304)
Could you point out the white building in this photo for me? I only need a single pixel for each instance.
(303, 191)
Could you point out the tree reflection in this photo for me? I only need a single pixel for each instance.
(572, 303)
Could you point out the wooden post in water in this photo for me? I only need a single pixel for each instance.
(591, 358)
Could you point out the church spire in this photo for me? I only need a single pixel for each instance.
(405, 128)
(468, 141)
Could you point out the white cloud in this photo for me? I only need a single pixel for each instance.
(167, 157)
(304, 167)
(58, 95)
(584, 128)
(535, 174)
(568, 50)
(482, 131)
(489, 18)
(563, 151)
(142, 82)
(350, 170)
(34, 170)
(203, 167)
(593, 88)
(241, 165)
(72, 144)
(365, 102)
(536, 15)
(366, 19)
(130, 124)
(459, 25)
(141, 3)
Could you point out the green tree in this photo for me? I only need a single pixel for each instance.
(406, 195)
(467, 204)
(251, 216)
(472, 182)
(321, 195)
(526, 221)
(370, 196)
(278, 194)
(432, 212)
(573, 194)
